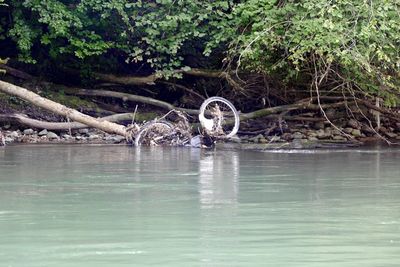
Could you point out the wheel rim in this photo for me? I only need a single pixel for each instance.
(223, 114)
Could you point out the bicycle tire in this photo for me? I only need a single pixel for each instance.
(228, 131)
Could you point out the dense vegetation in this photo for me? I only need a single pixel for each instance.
(344, 46)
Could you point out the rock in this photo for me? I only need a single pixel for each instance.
(312, 138)
(8, 140)
(256, 138)
(66, 136)
(338, 137)
(356, 133)
(383, 129)
(321, 134)
(78, 137)
(312, 134)
(83, 131)
(52, 135)
(397, 127)
(330, 113)
(341, 123)
(391, 135)
(297, 143)
(274, 138)
(263, 140)
(328, 132)
(287, 136)
(108, 137)
(348, 130)
(43, 132)
(366, 129)
(319, 125)
(2, 141)
(14, 134)
(7, 126)
(28, 131)
(353, 124)
(93, 137)
(25, 139)
(233, 139)
(297, 135)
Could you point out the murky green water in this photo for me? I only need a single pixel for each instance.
(119, 206)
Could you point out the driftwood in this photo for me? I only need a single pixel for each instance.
(154, 77)
(304, 104)
(62, 110)
(59, 126)
(128, 97)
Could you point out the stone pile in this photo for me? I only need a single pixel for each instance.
(292, 133)
(44, 136)
(2, 141)
(350, 130)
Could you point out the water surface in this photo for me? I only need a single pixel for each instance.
(121, 206)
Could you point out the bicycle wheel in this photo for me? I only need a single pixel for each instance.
(219, 117)
(154, 133)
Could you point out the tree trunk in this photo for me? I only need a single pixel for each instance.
(57, 108)
(128, 97)
(60, 126)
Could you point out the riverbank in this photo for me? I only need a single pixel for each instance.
(292, 136)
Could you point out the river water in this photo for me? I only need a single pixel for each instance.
(122, 206)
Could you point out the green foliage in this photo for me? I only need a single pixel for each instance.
(353, 42)
(2, 61)
(156, 33)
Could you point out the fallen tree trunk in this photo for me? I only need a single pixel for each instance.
(305, 104)
(152, 78)
(62, 110)
(128, 97)
(59, 126)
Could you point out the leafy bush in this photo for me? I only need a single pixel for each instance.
(354, 43)
(344, 44)
(155, 32)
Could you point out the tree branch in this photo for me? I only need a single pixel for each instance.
(62, 110)
(16, 73)
(25, 120)
(128, 97)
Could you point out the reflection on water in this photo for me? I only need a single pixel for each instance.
(218, 184)
(117, 206)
